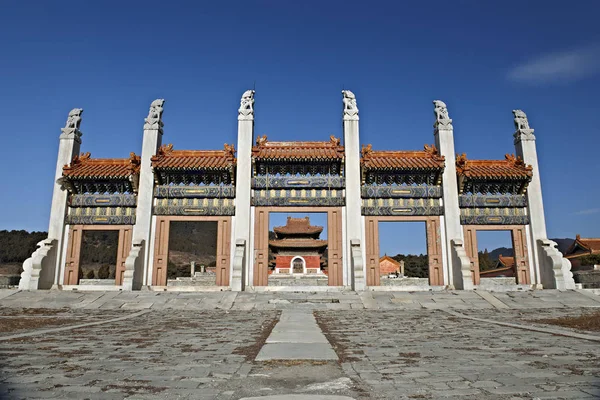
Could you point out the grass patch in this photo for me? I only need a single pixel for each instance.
(585, 322)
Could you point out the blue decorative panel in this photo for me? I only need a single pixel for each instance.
(103, 200)
(497, 216)
(188, 206)
(394, 192)
(280, 182)
(418, 211)
(489, 200)
(494, 220)
(298, 201)
(194, 210)
(223, 191)
(101, 220)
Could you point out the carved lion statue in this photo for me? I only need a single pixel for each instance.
(440, 110)
(349, 100)
(74, 119)
(156, 109)
(521, 121)
(247, 103)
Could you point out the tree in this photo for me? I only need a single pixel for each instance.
(485, 262)
(104, 272)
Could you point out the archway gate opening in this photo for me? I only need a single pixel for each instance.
(434, 246)
(74, 247)
(334, 242)
(161, 247)
(519, 243)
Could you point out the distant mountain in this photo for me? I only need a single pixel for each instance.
(563, 246)
(504, 251)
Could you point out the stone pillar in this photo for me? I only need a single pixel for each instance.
(354, 226)
(41, 270)
(550, 268)
(243, 184)
(140, 252)
(444, 140)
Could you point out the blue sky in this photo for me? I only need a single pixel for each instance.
(482, 58)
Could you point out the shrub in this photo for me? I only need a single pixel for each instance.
(104, 272)
(90, 274)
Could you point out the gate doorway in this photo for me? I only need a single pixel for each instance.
(191, 251)
(96, 254)
(275, 261)
(519, 244)
(434, 250)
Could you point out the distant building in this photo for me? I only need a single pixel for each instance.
(582, 247)
(387, 265)
(297, 248)
(505, 267)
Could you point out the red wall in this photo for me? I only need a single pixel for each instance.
(388, 267)
(311, 261)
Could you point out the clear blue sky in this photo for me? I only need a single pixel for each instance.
(482, 58)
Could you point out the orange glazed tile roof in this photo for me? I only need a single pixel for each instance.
(298, 150)
(83, 166)
(298, 226)
(298, 243)
(426, 159)
(492, 271)
(511, 167)
(506, 261)
(388, 258)
(167, 158)
(592, 245)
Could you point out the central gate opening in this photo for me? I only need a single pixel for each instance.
(298, 246)
(298, 249)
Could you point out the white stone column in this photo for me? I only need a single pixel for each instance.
(354, 227)
(554, 271)
(141, 252)
(41, 270)
(243, 183)
(459, 274)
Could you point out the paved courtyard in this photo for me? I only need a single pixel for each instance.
(388, 345)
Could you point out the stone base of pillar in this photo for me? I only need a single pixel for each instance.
(239, 259)
(464, 279)
(39, 269)
(358, 272)
(132, 278)
(555, 269)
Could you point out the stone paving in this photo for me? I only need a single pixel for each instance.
(390, 345)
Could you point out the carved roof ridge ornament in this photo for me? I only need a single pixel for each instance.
(165, 149)
(154, 118)
(350, 107)
(229, 150)
(261, 140)
(334, 141)
(246, 110)
(431, 149)
(461, 161)
(366, 150)
(522, 129)
(442, 119)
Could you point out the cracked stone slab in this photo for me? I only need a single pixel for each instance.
(299, 397)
